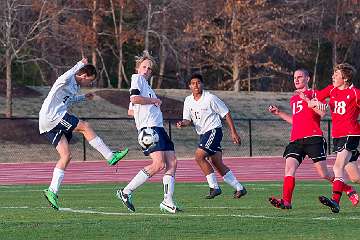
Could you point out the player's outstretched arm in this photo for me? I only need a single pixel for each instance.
(234, 135)
(276, 111)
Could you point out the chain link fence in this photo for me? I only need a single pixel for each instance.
(20, 140)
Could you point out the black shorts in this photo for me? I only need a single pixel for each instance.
(313, 147)
(349, 143)
(65, 127)
(164, 143)
(210, 141)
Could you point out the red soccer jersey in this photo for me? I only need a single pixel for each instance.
(345, 108)
(305, 122)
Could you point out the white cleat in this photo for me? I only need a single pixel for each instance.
(164, 206)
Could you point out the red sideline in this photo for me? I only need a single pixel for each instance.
(245, 169)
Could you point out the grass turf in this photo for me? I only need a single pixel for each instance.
(93, 212)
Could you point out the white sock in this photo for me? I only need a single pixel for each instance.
(230, 179)
(101, 147)
(211, 179)
(58, 176)
(169, 186)
(137, 181)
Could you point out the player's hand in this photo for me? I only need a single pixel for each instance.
(90, 96)
(179, 124)
(314, 103)
(302, 95)
(236, 138)
(157, 102)
(84, 61)
(274, 109)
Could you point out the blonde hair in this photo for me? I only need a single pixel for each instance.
(145, 56)
(347, 71)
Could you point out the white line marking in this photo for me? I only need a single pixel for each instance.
(84, 211)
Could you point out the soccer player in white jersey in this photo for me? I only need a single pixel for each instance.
(205, 110)
(145, 107)
(57, 124)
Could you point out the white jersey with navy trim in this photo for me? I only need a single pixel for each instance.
(147, 115)
(205, 113)
(61, 96)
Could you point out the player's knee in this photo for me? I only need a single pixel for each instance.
(157, 167)
(200, 159)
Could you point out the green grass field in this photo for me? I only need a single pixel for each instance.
(93, 212)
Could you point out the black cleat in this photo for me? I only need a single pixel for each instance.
(241, 193)
(126, 199)
(334, 206)
(279, 203)
(213, 193)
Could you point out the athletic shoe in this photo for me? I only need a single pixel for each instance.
(241, 193)
(279, 203)
(213, 193)
(353, 197)
(171, 208)
(118, 155)
(126, 199)
(334, 206)
(52, 198)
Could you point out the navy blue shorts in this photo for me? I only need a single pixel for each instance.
(313, 147)
(164, 144)
(211, 140)
(66, 126)
(349, 143)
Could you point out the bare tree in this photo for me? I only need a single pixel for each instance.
(21, 23)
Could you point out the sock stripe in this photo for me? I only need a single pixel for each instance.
(144, 171)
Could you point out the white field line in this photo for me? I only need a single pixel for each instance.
(84, 211)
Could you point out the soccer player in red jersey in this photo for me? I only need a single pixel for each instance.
(306, 137)
(344, 102)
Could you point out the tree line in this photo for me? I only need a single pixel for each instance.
(238, 45)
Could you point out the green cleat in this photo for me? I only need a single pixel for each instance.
(52, 198)
(118, 155)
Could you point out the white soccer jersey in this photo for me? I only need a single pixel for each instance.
(147, 115)
(205, 113)
(61, 96)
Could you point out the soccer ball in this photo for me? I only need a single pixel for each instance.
(148, 138)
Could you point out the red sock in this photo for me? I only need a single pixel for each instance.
(347, 188)
(338, 186)
(288, 188)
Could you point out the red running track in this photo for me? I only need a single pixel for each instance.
(245, 169)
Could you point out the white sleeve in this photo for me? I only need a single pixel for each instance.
(67, 75)
(218, 106)
(186, 110)
(136, 86)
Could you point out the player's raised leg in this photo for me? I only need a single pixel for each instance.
(97, 143)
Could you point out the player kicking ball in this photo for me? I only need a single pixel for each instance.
(205, 111)
(58, 125)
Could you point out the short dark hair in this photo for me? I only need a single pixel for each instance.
(306, 72)
(197, 76)
(88, 69)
